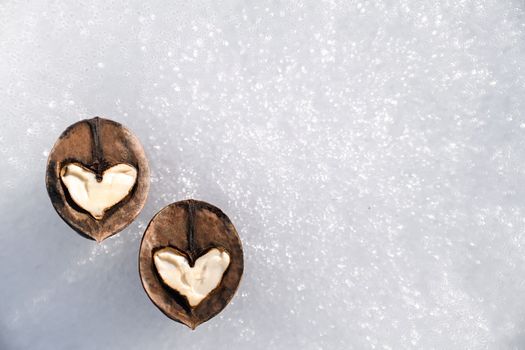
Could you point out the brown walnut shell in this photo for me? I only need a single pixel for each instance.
(97, 144)
(193, 228)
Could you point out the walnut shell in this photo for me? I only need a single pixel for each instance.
(193, 228)
(97, 144)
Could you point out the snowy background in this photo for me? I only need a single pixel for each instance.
(370, 153)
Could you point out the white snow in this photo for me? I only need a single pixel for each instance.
(370, 153)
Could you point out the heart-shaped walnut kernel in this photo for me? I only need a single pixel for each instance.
(194, 282)
(191, 261)
(97, 196)
(97, 177)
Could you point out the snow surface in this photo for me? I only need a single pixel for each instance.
(370, 153)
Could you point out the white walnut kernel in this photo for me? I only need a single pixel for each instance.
(94, 196)
(195, 283)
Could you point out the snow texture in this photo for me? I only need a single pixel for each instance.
(370, 153)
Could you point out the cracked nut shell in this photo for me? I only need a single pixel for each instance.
(191, 228)
(97, 145)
